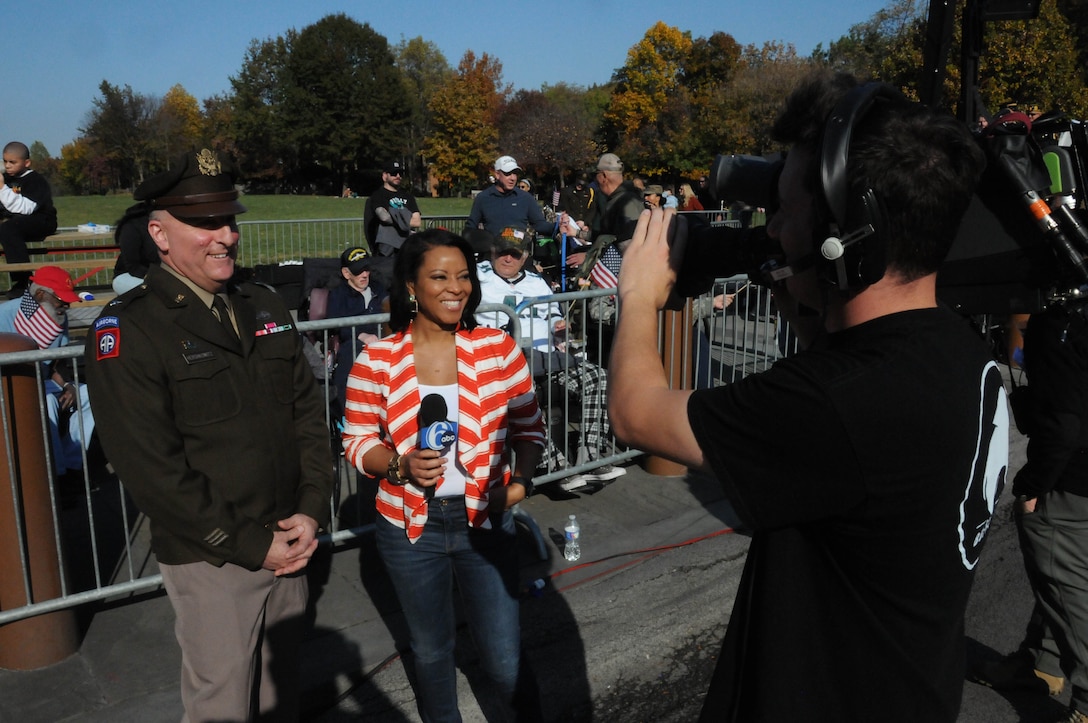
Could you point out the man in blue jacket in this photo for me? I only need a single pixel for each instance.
(504, 210)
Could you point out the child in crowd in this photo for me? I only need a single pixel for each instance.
(26, 211)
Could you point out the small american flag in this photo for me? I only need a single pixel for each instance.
(35, 322)
(555, 196)
(605, 273)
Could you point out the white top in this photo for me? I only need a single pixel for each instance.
(452, 484)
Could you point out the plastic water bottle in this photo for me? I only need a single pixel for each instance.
(572, 550)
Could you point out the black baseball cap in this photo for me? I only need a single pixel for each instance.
(355, 259)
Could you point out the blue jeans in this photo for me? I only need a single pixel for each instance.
(484, 565)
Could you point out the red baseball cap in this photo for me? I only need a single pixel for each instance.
(58, 281)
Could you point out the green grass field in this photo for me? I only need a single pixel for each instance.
(74, 210)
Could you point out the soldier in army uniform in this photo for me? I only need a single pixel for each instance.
(213, 422)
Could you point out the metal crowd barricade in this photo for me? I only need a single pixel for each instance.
(272, 242)
(103, 540)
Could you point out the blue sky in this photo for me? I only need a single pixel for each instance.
(59, 51)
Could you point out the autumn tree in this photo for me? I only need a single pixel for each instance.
(345, 96)
(648, 83)
(709, 70)
(465, 110)
(1021, 60)
(259, 123)
(120, 128)
(549, 131)
(82, 170)
(48, 167)
(179, 124)
(751, 103)
(423, 70)
(1033, 61)
(218, 122)
(1076, 13)
(886, 46)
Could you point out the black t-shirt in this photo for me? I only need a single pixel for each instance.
(869, 469)
(384, 198)
(1056, 361)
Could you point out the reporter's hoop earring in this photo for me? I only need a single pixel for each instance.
(415, 304)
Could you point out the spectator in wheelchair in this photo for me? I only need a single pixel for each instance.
(507, 278)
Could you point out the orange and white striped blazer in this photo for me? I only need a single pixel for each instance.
(496, 407)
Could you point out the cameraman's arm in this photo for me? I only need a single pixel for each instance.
(644, 411)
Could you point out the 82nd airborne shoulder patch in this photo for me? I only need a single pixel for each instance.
(107, 337)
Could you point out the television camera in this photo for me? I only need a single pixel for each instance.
(1024, 241)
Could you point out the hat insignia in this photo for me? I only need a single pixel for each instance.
(208, 163)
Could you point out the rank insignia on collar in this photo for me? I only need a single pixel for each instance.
(179, 298)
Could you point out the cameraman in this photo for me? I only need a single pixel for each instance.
(868, 465)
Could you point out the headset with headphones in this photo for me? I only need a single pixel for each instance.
(852, 247)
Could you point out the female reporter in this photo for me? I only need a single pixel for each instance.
(444, 513)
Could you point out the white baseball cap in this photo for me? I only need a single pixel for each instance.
(507, 164)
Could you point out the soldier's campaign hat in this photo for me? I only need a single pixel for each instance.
(200, 184)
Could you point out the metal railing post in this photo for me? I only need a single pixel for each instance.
(30, 562)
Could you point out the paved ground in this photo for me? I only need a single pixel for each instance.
(629, 633)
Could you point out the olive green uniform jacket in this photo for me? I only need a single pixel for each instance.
(214, 443)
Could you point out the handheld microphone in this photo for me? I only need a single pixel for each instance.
(435, 431)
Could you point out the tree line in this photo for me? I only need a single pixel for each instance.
(321, 109)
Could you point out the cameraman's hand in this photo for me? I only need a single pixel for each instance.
(650, 261)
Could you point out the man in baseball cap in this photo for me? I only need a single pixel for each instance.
(503, 206)
(41, 314)
(391, 215)
(507, 165)
(610, 162)
(356, 260)
(58, 281)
